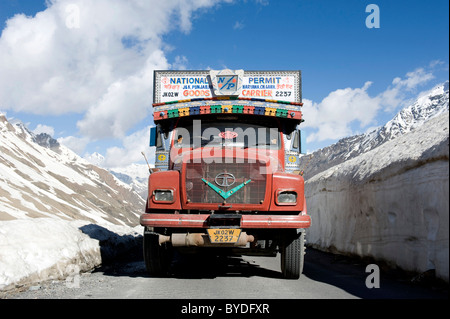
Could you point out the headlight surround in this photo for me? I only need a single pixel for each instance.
(163, 195)
(287, 197)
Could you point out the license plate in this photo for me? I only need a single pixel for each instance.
(224, 235)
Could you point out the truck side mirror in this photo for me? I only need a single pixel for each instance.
(295, 145)
(302, 142)
(153, 136)
(298, 142)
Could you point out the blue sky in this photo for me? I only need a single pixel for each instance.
(87, 80)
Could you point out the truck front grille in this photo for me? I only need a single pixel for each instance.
(242, 170)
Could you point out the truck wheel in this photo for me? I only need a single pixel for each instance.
(292, 255)
(157, 257)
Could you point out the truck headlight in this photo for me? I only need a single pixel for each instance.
(287, 197)
(163, 195)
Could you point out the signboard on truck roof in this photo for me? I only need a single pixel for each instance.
(172, 86)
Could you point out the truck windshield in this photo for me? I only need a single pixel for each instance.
(222, 134)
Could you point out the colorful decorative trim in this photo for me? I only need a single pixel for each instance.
(220, 109)
(221, 105)
(227, 98)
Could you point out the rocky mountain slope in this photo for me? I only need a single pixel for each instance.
(428, 106)
(41, 178)
(135, 175)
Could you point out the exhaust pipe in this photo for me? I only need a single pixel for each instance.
(200, 240)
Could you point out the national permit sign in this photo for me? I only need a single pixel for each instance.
(175, 86)
(172, 86)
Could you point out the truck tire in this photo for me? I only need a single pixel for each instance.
(157, 257)
(292, 255)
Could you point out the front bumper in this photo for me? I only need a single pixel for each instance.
(247, 221)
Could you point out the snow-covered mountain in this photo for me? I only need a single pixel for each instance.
(95, 158)
(135, 175)
(41, 178)
(426, 107)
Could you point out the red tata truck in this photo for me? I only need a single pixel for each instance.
(227, 172)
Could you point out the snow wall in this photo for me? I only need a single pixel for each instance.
(390, 204)
(39, 249)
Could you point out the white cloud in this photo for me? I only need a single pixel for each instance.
(133, 145)
(40, 128)
(238, 25)
(413, 79)
(126, 102)
(94, 58)
(90, 57)
(394, 96)
(180, 63)
(76, 144)
(332, 118)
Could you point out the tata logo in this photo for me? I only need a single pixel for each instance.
(225, 179)
(227, 83)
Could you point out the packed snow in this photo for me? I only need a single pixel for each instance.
(385, 194)
(391, 203)
(40, 249)
(59, 214)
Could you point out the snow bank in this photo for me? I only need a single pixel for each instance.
(391, 203)
(33, 250)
